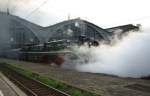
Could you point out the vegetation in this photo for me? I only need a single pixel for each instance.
(54, 83)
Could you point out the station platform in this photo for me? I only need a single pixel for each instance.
(7, 88)
(105, 85)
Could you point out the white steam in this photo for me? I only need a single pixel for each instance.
(130, 57)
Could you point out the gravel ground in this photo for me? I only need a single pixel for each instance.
(99, 83)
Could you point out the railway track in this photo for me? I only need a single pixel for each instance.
(30, 86)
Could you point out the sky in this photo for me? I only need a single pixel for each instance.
(104, 13)
(127, 58)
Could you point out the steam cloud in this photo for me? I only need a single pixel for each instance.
(129, 57)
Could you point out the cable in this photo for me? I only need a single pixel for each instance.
(37, 8)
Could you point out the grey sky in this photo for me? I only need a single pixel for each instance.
(104, 13)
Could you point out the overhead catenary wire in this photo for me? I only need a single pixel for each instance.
(37, 8)
(43, 3)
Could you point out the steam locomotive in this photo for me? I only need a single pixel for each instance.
(24, 40)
